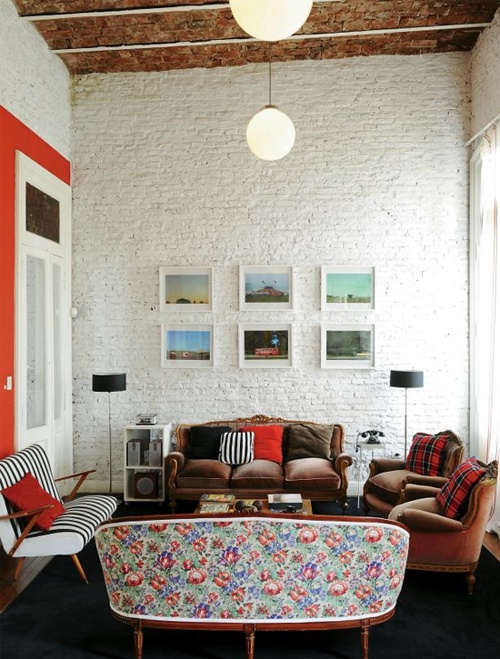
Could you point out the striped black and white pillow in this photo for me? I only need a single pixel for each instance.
(236, 448)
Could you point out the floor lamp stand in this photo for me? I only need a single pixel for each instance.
(406, 422)
(110, 446)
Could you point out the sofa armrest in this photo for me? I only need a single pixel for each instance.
(176, 461)
(433, 481)
(341, 462)
(412, 492)
(379, 465)
(421, 520)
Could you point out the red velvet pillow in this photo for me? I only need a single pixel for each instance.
(267, 442)
(426, 455)
(28, 494)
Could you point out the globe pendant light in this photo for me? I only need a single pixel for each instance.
(270, 20)
(270, 133)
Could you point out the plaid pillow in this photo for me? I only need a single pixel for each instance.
(454, 495)
(426, 454)
(236, 448)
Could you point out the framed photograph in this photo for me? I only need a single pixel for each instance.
(266, 345)
(266, 287)
(348, 346)
(187, 346)
(347, 287)
(185, 289)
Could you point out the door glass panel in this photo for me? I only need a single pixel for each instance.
(42, 213)
(35, 343)
(56, 311)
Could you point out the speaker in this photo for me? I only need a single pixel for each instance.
(133, 452)
(155, 453)
(145, 485)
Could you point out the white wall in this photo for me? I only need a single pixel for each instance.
(485, 77)
(34, 84)
(378, 176)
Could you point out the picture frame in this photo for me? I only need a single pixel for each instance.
(348, 346)
(266, 287)
(347, 288)
(187, 346)
(186, 288)
(265, 345)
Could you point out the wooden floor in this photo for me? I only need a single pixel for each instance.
(33, 566)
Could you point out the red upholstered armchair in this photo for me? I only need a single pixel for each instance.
(445, 537)
(388, 476)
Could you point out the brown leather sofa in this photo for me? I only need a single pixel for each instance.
(311, 462)
(388, 476)
(438, 543)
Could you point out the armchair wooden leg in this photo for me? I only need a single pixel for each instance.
(78, 566)
(470, 578)
(19, 567)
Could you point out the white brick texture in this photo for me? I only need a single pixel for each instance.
(378, 176)
(34, 84)
(485, 77)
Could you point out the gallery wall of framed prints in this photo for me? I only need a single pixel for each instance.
(268, 344)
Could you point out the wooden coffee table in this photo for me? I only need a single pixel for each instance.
(306, 507)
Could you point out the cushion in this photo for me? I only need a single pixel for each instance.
(387, 485)
(454, 495)
(426, 455)
(205, 442)
(28, 494)
(268, 442)
(312, 474)
(236, 448)
(308, 440)
(262, 475)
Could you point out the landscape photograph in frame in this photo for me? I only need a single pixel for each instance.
(266, 287)
(187, 346)
(265, 345)
(348, 346)
(185, 289)
(347, 287)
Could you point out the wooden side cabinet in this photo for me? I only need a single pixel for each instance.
(145, 449)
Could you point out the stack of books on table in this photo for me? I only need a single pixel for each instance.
(216, 503)
(285, 502)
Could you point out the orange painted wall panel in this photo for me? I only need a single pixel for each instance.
(14, 135)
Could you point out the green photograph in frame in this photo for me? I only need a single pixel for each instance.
(185, 289)
(348, 346)
(347, 287)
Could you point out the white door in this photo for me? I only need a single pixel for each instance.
(43, 321)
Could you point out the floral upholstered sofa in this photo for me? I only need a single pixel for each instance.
(252, 572)
(257, 456)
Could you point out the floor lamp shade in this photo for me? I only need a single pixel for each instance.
(406, 380)
(109, 382)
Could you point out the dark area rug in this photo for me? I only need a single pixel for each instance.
(59, 617)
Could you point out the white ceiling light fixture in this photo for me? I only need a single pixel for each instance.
(270, 20)
(270, 133)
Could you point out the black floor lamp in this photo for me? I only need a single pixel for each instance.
(109, 382)
(408, 380)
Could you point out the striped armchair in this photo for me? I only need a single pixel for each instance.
(21, 534)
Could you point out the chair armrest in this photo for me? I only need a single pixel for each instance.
(421, 520)
(412, 492)
(34, 514)
(379, 465)
(82, 475)
(433, 481)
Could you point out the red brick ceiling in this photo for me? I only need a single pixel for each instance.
(104, 36)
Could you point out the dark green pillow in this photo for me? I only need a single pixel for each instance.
(205, 442)
(308, 440)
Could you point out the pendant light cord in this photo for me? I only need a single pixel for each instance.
(270, 58)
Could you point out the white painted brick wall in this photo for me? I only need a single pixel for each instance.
(378, 176)
(34, 84)
(485, 77)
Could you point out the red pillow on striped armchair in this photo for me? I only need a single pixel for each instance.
(454, 495)
(426, 455)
